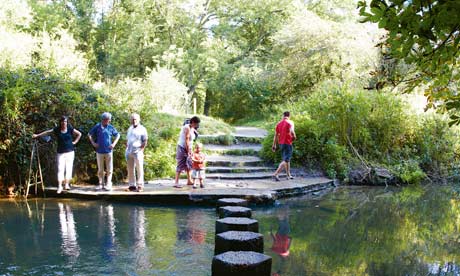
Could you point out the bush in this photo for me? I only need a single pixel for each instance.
(338, 127)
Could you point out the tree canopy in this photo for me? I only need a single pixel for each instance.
(425, 35)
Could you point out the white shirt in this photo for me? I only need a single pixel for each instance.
(136, 137)
(181, 141)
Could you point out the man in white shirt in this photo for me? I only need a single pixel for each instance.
(135, 145)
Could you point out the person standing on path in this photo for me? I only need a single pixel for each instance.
(135, 145)
(184, 150)
(65, 150)
(284, 136)
(100, 137)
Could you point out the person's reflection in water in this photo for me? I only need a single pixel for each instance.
(140, 249)
(106, 218)
(69, 246)
(194, 231)
(281, 241)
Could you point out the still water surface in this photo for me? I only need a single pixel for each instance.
(349, 231)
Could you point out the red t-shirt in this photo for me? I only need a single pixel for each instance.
(281, 244)
(284, 128)
(200, 158)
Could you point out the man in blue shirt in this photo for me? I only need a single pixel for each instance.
(100, 137)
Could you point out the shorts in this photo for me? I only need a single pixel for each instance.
(286, 152)
(198, 174)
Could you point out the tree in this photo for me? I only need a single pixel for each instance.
(426, 35)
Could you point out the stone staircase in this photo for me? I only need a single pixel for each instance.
(239, 161)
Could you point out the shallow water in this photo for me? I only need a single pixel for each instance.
(349, 231)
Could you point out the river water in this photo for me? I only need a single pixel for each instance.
(347, 231)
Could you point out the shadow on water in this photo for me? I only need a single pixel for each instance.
(350, 231)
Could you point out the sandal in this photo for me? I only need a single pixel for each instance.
(131, 189)
(140, 189)
(177, 186)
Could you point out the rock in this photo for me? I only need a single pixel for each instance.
(241, 263)
(239, 241)
(371, 176)
(236, 224)
(231, 202)
(234, 211)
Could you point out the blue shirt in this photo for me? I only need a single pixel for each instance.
(103, 137)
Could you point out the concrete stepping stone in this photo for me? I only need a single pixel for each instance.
(241, 263)
(241, 147)
(230, 201)
(236, 224)
(235, 211)
(239, 241)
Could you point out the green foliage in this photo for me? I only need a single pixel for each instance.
(425, 35)
(341, 127)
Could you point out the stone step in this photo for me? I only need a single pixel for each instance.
(238, 169)
(233, 161)
(235, 149)
(242, 176)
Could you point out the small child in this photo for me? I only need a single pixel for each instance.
(198, 168)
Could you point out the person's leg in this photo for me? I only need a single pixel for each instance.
(194, 177)
(139, 163)
(60, 168)
(100, 169)
(189, 177)
(130, 166)
(70, 156)
(109, 165)
(202, 177)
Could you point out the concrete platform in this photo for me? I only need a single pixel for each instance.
(163, 192)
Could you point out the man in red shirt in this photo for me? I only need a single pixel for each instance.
(284, 136)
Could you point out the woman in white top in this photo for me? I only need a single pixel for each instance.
(184, 150)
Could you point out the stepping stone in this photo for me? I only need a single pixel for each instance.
(236, 224)
(238, 169)
(233, 160)
(241, 263)
(235, 211)
(232, 202)
(239, 241)
(254, 175)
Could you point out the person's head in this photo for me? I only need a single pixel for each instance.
(106, 117)
(198, 147)
(63, 121)
(135, 119)
(195, 122)
(286, 114)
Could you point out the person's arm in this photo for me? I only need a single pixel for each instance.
(90, 137)
(294, 137)
(46, 132)
(115, 141)
(188, 147)
(144, 141)
(78, 134)
(275, 140)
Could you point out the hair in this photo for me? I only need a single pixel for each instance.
(106, 115)
(198, 144)
(286, 114)
(135, 115)
(195, 119)
(64, 118)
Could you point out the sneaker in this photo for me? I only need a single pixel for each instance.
(67, 186)
(99, 187)
(131, 189)
(59, 189)
(290, 177)
(108, 187)
(201, 185)
(177, 186)
(195, 186)
(140, 189)
(276, 178)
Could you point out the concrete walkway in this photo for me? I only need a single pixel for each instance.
(243, 176)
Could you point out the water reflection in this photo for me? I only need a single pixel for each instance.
(139, 246)
(69, 246)
(352, 231)
(281, 241)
